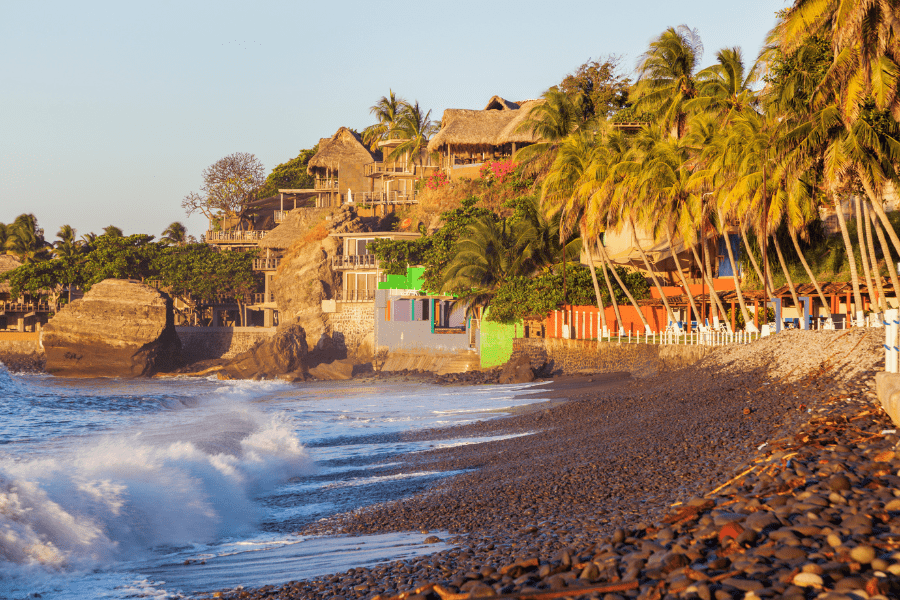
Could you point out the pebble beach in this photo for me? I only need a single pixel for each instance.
(763, 471)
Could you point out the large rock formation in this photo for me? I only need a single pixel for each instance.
(283, 353)
(120, 328)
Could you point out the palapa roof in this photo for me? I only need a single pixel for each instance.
(496, 125)
(296, 224)
(7, 263)
(344, 146)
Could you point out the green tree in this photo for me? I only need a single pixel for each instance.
(175, 234)
(602, 89)
(26, 240)
(388, 112)
(415, 129)
(290, 175)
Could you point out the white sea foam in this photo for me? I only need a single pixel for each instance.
(172, 483)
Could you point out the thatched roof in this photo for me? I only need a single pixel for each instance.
(296, 224)
(496, 125)
(344, 146)
(7, 263)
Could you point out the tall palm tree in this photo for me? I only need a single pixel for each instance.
(415, 129)
(67, 245)
(175, 234)
(865, 37)
(725, 88)
(112, 231)
(552, 121)
(26, 240)
(387, 111)
(667, 79)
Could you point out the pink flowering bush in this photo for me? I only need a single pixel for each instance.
(436, 181)
(497, 171)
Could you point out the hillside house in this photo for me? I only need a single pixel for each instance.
(468, 138)
(339, 168)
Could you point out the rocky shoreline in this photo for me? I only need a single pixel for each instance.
(763, 471)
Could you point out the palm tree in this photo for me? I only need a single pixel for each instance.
(388, 111)
(725, 88)
(552, 121)
(26, 240)
(67, 246)
(666, 80)
(112, 231)
(175, 234)
(414, 129)
(866, 45)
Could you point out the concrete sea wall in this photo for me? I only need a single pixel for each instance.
(204, 343)
(353, 327)
(586, 356)
(20, 342)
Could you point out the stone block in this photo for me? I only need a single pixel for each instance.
(887, 386)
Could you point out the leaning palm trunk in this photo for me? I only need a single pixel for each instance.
(876, 272)
(622, 285)
(862, 253)
(709, 282)
(809, 272)
(662, 292)
(879, 210)
(890, 263)
(756, 269)
(612, 294)
(787, 277)
(709, 270)
(600, 307)
(684, 282)
(848, 246)
(737, 284)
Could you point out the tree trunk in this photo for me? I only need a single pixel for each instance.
(848, 247)
(612, 294)
(879, 210)
(756, 269)
(662, 293)
(624, 287)
(887, 258)
(860, 224)
(600, 307)
(809, 272)
(712, 292)
(709, 271)
(787, 277)
(748, 322)
(876, 272)
(684, 282)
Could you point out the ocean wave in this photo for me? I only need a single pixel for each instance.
(168, 484)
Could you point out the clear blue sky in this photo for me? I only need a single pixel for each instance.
(109, 111)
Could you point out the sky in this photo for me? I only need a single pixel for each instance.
(110, 111)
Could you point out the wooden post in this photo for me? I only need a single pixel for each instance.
(734, 318)
(755, 313)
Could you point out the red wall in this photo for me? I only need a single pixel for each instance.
(723, 284)
(586, 320)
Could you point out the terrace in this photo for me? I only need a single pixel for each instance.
(266, 264)
(354, 261)
(252, 235)
(395, 197)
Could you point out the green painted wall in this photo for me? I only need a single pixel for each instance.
(411, 281)
(497, 342)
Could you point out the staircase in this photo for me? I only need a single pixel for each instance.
(461, 362)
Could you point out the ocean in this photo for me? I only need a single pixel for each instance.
(164, 488)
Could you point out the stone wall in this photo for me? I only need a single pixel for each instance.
(580, 356)
(353, 328)
(15, 342)
(203, 343)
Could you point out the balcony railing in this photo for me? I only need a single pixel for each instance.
(379, 168)
(354, 261)
(326, 184)
(280, 215)
(385, 198)
(357, 296)
(262, 299)
(27, 307)
(266, 264)
(253, 235)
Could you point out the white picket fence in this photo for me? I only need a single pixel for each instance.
(694, 338)
(891, 342)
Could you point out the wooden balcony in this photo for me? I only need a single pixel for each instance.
(27, 307)
(266, 264)
(252, 236)
(356, 296)
(386, 198)
(382, 168)
(354, 261)
(280, 215)
(263, 299)
(326, 184)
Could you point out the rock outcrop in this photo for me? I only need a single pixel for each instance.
(333, 371)
(120, 328)
(283, 353)
(517, 370)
